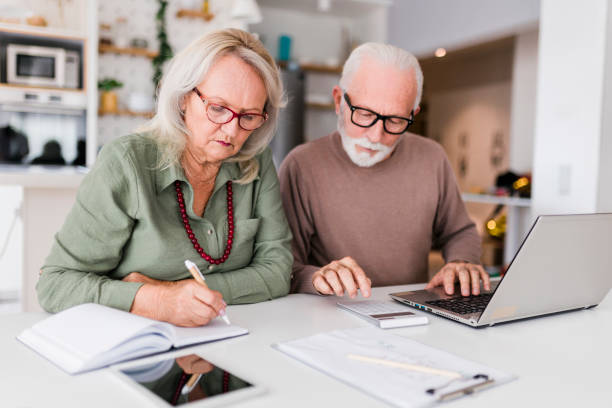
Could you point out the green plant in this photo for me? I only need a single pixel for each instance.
(165, 51)
(108, 84)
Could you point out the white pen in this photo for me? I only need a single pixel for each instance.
(405, 366)
(191, 383)
(197, 275)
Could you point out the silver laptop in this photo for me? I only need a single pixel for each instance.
(564, 263)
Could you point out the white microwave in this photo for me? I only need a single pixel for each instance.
(42, 66)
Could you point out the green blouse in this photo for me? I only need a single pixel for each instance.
(126, 219)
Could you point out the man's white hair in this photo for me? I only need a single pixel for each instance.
(387, 55)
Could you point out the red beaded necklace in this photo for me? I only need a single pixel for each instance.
(191, 235)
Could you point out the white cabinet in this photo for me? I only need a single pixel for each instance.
(60, 106)
(43, 196)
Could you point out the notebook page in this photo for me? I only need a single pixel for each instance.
(215, 330)
(144, 344)
(90, 329)
(70, 362)
(329, 353)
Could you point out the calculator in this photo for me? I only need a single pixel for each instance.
(384, 314)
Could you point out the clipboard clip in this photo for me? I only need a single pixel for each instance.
(476, 383)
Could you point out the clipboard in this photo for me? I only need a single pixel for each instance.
(457, 385)
(477, 383)
(392, 368)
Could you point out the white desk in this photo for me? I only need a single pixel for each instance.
(561, 361)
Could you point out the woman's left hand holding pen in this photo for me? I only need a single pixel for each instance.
(182, 303)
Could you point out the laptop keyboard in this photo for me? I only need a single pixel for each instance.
(463, 304)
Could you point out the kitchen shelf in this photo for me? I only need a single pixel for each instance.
(184, 13)
(325, 106)
(326, 69)
(139, 52)
(493, 199)
(41, 88)
(320, 68)
(42, 31)
(127, 112)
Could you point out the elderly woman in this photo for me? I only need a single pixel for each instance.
(197, 183)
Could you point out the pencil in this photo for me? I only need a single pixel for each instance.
(405, 366)
(197, 275)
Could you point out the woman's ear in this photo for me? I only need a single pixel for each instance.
(183, 104)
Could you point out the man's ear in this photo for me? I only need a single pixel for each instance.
(417, 110)
(337, 94)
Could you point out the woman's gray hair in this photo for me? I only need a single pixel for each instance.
(385, 54)
(187, 69)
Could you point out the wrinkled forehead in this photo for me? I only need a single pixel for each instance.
(234, 82)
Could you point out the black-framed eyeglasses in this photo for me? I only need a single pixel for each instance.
(365, 118)
(220, 114)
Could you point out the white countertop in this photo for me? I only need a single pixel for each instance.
(34, 176)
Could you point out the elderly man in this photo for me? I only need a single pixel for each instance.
(367, 203)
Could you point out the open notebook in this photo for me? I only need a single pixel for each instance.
(90, 336)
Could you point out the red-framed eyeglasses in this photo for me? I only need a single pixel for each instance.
(220, 114)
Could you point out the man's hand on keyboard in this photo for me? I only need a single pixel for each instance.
(468, 275)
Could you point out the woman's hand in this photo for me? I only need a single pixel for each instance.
(193, 364)
(140, 278)
(183, 303)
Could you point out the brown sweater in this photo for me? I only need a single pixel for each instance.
(387, 217)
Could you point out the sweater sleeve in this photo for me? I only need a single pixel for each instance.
(90, 243)
(453, 231)
(295, 202)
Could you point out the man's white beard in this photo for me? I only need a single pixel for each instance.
(361, 158)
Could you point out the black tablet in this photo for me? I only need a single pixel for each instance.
(183, 380)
